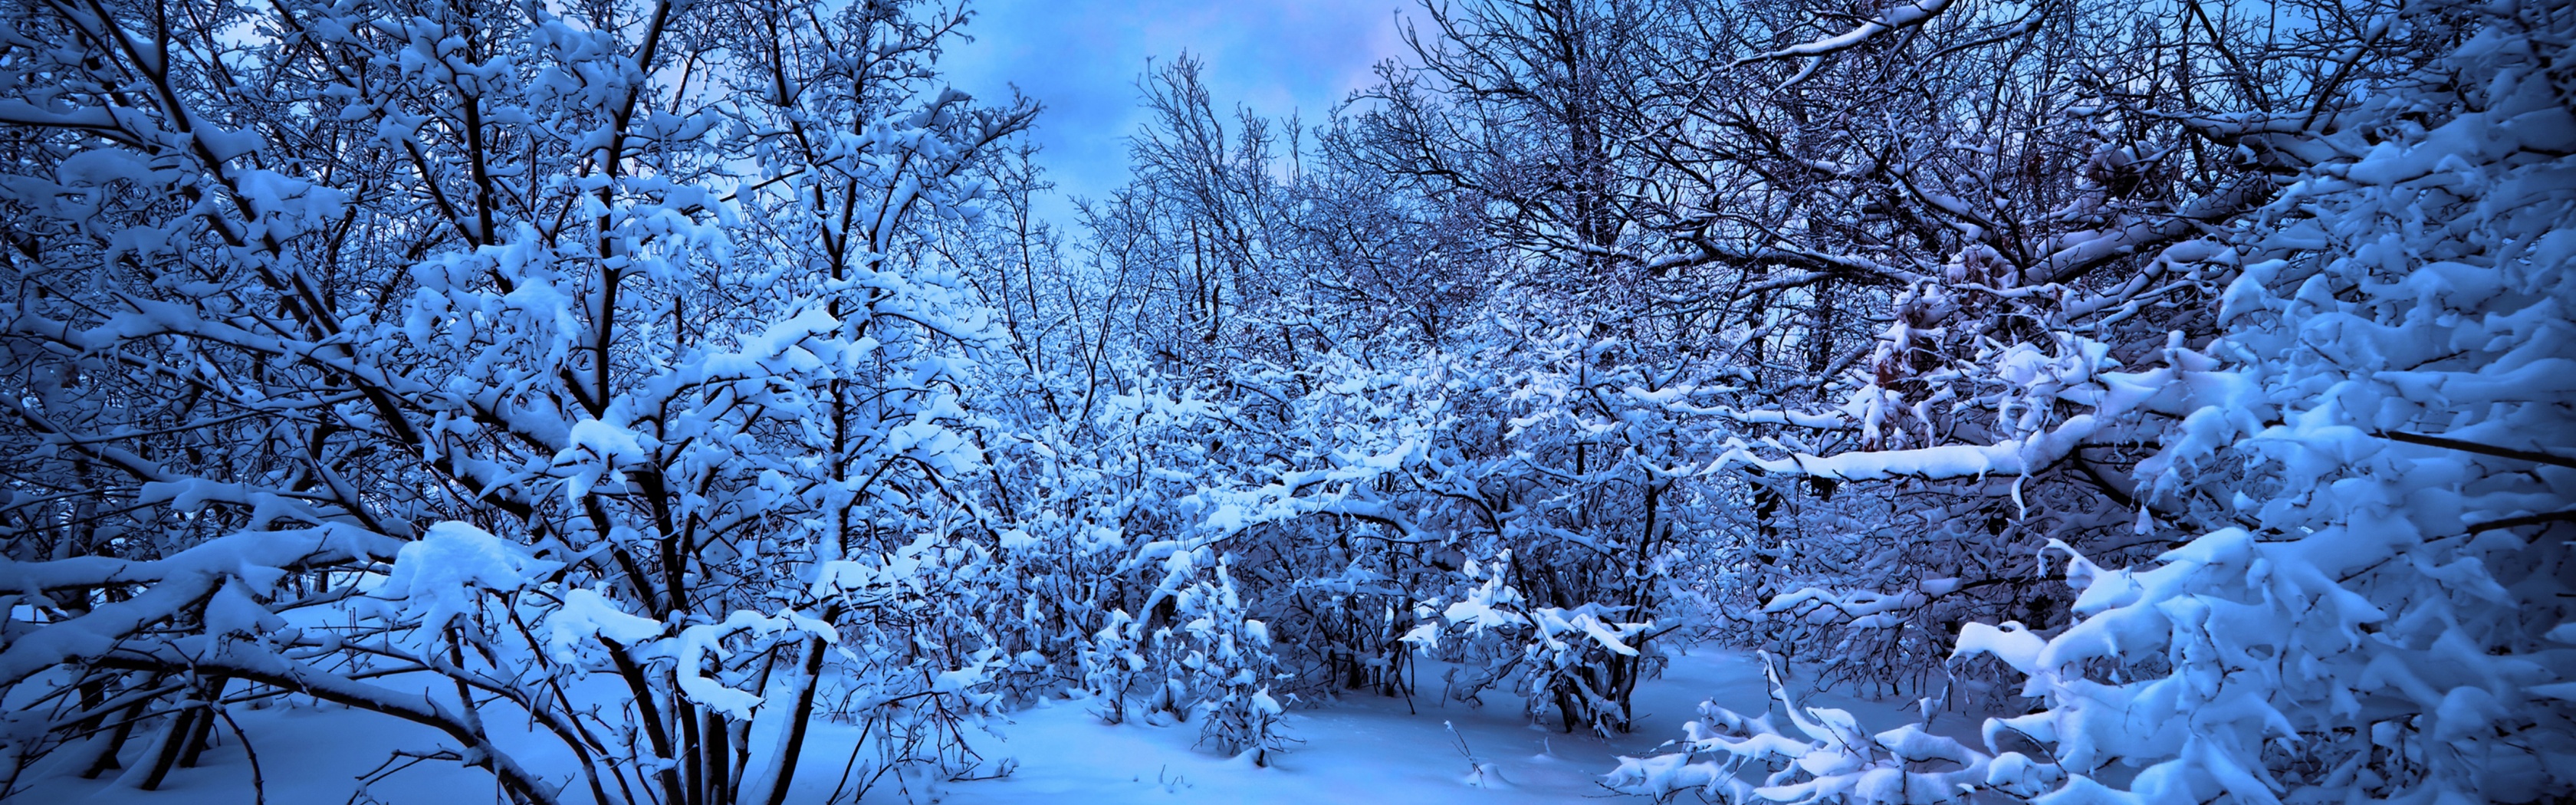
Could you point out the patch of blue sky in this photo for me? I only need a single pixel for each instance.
(1082, 59)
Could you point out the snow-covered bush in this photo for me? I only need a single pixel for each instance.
(427, 358)
(2364, 476)
(2382, 440)
(1822, 754)
(1222, 658)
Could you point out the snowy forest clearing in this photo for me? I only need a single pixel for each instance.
(1364, 748)
(653, 400)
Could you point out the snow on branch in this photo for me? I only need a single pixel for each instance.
(1903, 16)
(176, 584)
(2081, 252)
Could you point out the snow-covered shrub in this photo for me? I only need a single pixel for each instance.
(1560, 654)
(1222, 658)
(1111, 664)
(485, 347)
(2382, 440)
(2363, 474)
(1121, 526)
(1822, 754)
(1384, 493)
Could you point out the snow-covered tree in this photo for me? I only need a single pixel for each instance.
(427, 358)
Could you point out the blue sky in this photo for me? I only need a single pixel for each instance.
(1082, 57)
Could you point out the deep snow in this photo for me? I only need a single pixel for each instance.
(1362, 748)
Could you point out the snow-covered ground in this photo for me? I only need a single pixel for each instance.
(1363, 748)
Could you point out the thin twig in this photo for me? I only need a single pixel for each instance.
(258, 782)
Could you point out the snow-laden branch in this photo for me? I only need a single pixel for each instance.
(241, 660)
(170, 587)
(1902, 16)
(2082, 252)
